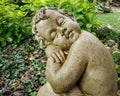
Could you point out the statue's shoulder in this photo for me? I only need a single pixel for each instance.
(85, 35)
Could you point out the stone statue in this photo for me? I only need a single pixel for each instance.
(78, 63)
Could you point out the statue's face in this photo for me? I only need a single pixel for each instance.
(58, 29)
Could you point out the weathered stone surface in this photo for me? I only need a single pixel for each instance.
(78, 63)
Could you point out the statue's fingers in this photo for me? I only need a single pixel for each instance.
(55, 58)
(62, 54)
(66, 53)
(52, 59)
(60, 57)
(67, 33)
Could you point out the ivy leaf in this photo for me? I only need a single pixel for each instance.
(9, 39)
(3, 42)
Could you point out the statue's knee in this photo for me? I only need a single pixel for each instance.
(46, 90)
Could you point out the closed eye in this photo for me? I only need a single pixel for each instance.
(60, 21)
(71, 34)
(53, 35)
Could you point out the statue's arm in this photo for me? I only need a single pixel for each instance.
(62, 77)
(55, 53)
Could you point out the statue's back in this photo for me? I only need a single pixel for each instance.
(99, 78)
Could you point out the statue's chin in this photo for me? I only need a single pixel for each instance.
(66, 48)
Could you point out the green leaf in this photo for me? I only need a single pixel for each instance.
(118, 79)
(33, 94)
(86, 1)
(1, 30)
(89, 26)
(3, 42)
(9, 39)
(20, 13)
(79, 10)
(79, 17)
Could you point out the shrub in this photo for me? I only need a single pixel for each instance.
(16, 16)
(83, 11)
(116, 57)
(107, 32)
(14, 24)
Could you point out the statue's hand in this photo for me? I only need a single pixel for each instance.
(55, 54)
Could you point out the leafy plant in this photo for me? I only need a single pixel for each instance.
(116, 57)
(22, 68)
(106, 32)
(16, 16)
(83, 11)
(14, 26)
(85, 17)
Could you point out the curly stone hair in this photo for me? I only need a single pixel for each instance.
(41, 15)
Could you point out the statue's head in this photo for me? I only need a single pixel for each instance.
(55, 26)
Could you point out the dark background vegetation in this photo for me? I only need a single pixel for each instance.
(22, 62)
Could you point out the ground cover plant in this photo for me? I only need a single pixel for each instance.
(22, 68)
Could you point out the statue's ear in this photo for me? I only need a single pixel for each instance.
(42, 45)
(42, 42)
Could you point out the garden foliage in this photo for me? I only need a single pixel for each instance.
(16, 16)
(14, 22)
(107, 32)
(22, 67)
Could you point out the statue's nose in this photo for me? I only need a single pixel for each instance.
(63, 31)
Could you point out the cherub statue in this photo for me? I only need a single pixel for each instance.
(78, 63)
